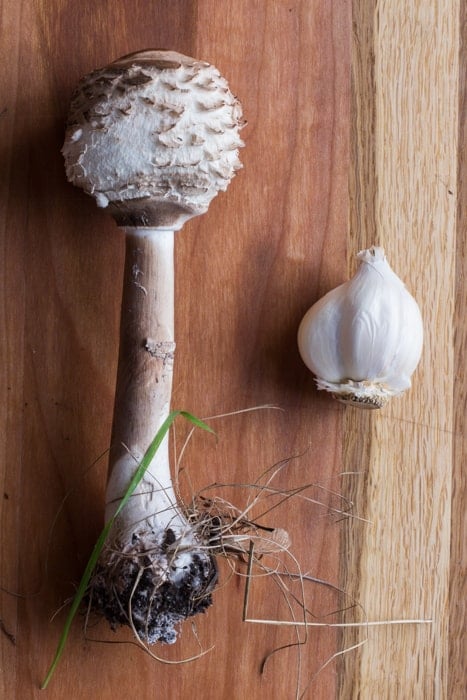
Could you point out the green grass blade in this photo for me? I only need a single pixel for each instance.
(197, 422)
(93, 559)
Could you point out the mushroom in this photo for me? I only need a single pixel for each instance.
(153, 137)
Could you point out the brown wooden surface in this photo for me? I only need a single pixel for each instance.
(372, 96)
(245, 274)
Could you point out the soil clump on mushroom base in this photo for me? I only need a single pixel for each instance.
(149, 589)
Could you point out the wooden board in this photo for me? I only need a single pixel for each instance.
(407, 174)
(330, 99)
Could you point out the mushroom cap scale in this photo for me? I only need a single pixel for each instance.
(153, 132)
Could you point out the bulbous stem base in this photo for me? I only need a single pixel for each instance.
(153, 583)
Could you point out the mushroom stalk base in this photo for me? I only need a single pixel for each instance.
(152, 583)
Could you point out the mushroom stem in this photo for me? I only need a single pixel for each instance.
(155, 570)
(144, 378)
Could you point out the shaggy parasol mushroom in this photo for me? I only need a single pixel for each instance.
(153, 137)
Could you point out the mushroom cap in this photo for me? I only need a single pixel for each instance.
(154, 137)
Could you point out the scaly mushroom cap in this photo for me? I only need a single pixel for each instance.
(154, 136)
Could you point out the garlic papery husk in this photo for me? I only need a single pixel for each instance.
(363, 340)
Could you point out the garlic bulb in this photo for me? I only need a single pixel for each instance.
(363, 340)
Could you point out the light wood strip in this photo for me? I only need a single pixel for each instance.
(458, 583)
(405, 87)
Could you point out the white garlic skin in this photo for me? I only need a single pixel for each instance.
(363, 340)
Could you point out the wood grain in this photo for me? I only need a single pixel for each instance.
(403, 192)
(458, 574)
(393, 129)
(245, 273)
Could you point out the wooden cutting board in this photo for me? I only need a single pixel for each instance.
(356, 135)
